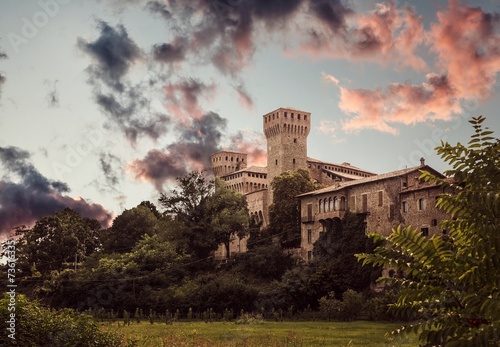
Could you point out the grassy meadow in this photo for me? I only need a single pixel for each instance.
(271, 334)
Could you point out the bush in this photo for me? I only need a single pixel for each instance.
(346, 310)
(37, 326)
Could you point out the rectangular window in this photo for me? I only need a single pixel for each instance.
(309, 212)
(405, 206)
(309, 255)
(365, 202)
(309, 236)
(391, 211)
(421, 204)
(352, 203)
(380, 198)
(425, 231)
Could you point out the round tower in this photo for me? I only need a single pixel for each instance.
(286, 131)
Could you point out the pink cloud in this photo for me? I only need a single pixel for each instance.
(385, 35)
(467, 43)
(183, 98)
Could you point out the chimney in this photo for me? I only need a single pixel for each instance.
(422, 161)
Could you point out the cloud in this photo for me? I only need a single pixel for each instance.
(126, 104)
(112, 167)
(330, 79)
(114, 52)
(35, 196)
(244, 97)
(399, 103)
(159, 8)
(3, 79)
(170, 52)
(252, 143)
(195, 143)
(385, 35)
(130, 112)
(52, 94)
(467, 42)
(183, 98)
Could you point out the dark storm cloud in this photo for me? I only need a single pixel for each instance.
(159, 8)
(127, 105)
(191, 151)
(114, 52)
(170, 52)
(35, 196)
(183, 98)
(111, 166)
(130, 112)
(330, 12)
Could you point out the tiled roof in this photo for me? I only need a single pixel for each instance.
(229, 151)
(313, 160)
(375, 178)
(255, 169)
(344, 175)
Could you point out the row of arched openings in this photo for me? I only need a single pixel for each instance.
(257, 216)
(332, 204)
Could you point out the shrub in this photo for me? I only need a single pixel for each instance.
(37, 326)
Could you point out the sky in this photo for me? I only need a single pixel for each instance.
(103, 103)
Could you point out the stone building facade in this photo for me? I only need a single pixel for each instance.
(386, 200)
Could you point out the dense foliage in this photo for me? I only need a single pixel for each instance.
(153, 261)
(451, 282)
(284, 212)
(36, 326)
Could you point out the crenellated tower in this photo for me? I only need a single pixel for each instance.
(226, 162)
(286, 131)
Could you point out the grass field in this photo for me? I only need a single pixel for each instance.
(271, 334)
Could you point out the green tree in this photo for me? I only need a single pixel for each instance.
(229, 215)
(128, 228)
(284, 212)
(189, 205)
(64, 237)
(452, 282)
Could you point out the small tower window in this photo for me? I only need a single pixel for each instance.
(276, 161)
(294, 140)
(293, 160)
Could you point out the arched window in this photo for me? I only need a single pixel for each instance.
(325, 205)
(342, 203)
(330, 204)
(320, 205)
(335, 203)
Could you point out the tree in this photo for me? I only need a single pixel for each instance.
(129, 227)
(452, 281)
(284, 213)
(335, 267)
(64, 237)
(230, 214)
(189, 205)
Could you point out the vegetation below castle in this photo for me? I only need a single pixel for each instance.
(160, 266)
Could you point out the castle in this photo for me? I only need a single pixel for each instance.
(385, 200)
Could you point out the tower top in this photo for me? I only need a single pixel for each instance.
(287, 120)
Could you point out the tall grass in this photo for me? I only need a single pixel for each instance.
(269, 334)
